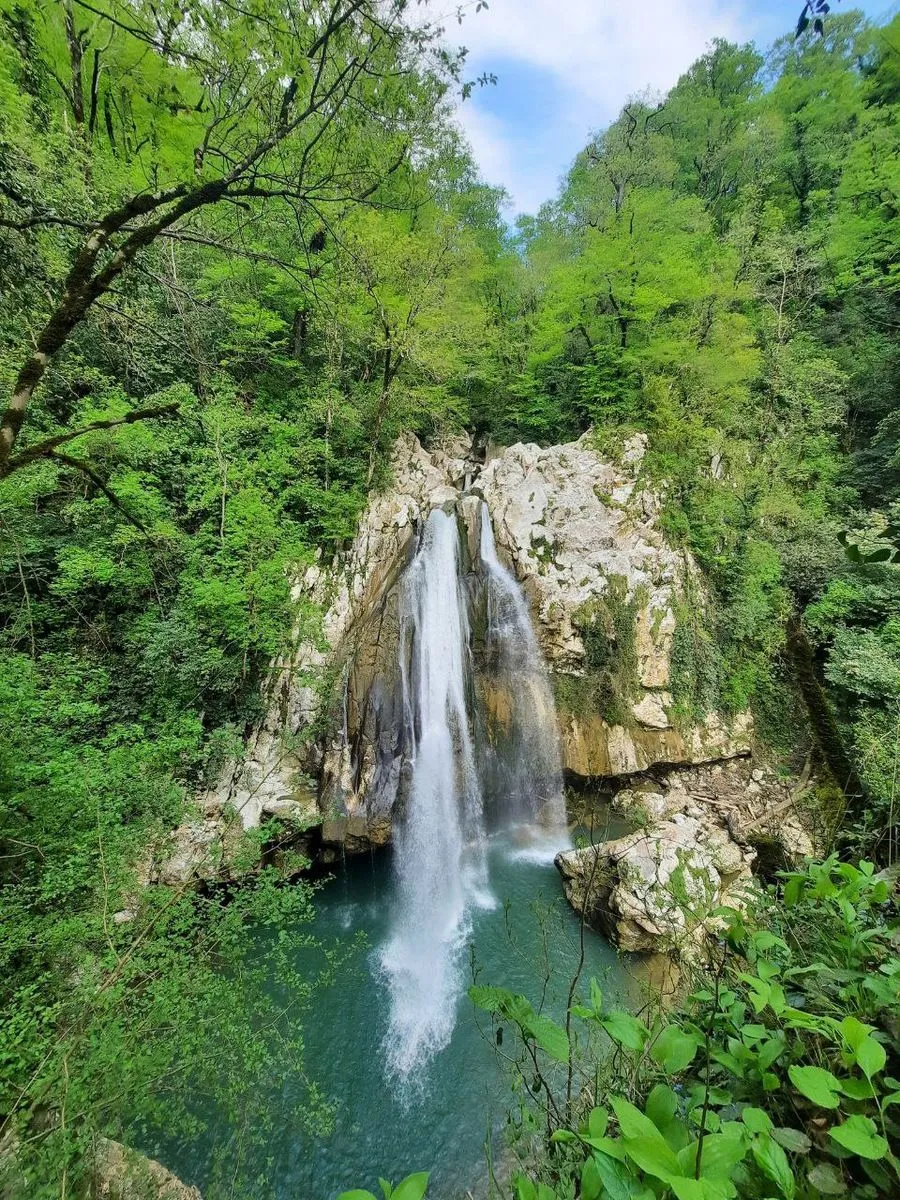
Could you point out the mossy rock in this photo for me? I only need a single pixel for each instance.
(607, 625)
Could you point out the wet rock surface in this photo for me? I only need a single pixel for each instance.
(702, 832)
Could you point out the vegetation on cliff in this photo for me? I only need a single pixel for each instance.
(242, 246)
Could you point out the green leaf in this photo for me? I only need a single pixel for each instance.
(653, 1155)
(773, 1162)
(701, 1189)
(413, 1187)
(591, 1183)
(792, 1139)
(860, 1136)
(550, 1037)
(817, 1085)
(625, 1029)
(489, 998)
(854, 1032)
(827, 1179)
(611, 1146)
(632, 1121)
(564, 1135)
(871, 1056)
(757, 1120)
(857, 1089)
(524, 1188)
(597, 1122)
(357, 1194)
(596, 996)
(721, 1154)
(617, 1179)
(674, 1049)
(661, 1106)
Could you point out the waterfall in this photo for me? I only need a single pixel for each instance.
(524, 761)
(440, 864)
(440, 843)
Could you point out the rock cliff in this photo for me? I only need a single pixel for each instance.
(582, 535)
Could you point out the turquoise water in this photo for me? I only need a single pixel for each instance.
(440, 1118)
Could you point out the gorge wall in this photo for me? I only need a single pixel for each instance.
(568, 603)
(581, 535)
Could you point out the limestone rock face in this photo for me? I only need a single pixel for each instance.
(570, 520)
(657, 889)
(580, 531)
(591, 747)
(700, 832)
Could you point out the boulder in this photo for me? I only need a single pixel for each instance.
(758, 808)
(657, 889)
(117, 1172)
(700, 832)
(121, 1173)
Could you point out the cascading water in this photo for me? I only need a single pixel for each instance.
(440, 844)
(522, 759)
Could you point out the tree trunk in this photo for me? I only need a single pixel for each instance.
(76, 57)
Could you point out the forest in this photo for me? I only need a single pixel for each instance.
(244, 247)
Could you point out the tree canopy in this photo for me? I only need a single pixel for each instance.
(243, 245)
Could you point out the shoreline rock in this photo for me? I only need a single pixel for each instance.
(701, 834)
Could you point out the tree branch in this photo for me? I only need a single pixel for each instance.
(86, 469)
(47, 447)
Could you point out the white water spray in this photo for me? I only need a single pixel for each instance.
(441, 874)
(440, 844)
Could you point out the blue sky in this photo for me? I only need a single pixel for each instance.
(565, 67)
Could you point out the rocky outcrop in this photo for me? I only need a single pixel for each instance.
(591, 747)
(581, 534)
(699, 834)
(116, 1172)
(570, 521)
(657, 889)
(121, 1173)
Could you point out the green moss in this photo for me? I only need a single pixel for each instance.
(696, 666)
(543, 550)
(608, 628)
(574, 694)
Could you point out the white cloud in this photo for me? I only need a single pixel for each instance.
(595, 53)
(524, 160)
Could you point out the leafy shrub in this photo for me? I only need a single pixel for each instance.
(773, 1078)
